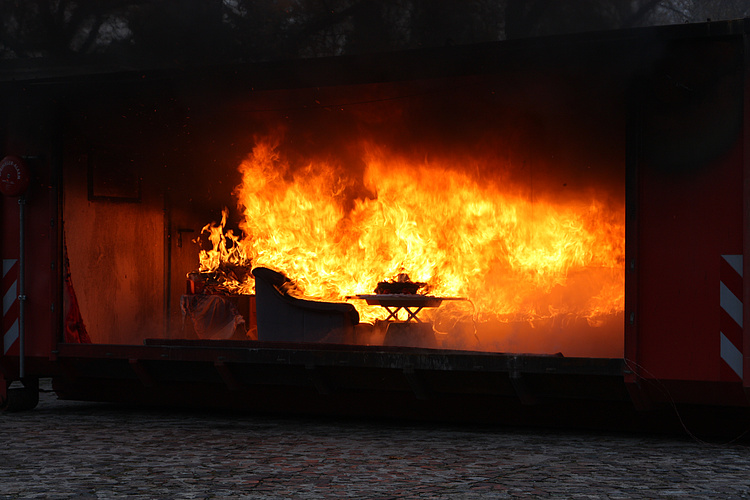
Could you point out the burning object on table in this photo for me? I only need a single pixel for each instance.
(401, 285)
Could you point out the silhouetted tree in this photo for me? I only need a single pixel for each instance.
(524, 18)
(60, 29)
(157, 32)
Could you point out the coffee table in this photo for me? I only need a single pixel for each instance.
(411, 303)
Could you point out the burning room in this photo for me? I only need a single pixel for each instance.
(495, 190)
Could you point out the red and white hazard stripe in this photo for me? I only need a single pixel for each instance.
(730, 297)
(10, 303)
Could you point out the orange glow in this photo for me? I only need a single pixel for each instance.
(519, 255)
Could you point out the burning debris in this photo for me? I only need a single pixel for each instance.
(225, 280)
(211, 308)
(401, 285)
(224, 268)
(217, 291)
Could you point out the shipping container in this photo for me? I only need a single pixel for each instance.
(544, 230)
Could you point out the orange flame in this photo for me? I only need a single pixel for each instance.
(517, 257)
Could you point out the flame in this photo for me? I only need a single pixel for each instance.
(515, 254)
(226, 255)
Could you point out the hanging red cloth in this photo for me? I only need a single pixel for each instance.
(75, 329)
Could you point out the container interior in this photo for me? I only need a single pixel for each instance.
(502, 188)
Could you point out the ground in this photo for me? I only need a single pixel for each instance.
(91, 450)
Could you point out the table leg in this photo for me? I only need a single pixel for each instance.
(412, 315)
(392, 312)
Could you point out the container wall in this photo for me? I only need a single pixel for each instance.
(135, 199)
(29, 129)
(690, 213)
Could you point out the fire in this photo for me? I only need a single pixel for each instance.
(517, 255)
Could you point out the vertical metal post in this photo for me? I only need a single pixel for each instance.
(21, 287)
(746, 215)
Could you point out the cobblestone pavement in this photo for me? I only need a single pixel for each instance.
(84, 450)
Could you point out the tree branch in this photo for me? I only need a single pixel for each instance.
(639, 14)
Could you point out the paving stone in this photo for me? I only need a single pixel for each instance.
(91, 451)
